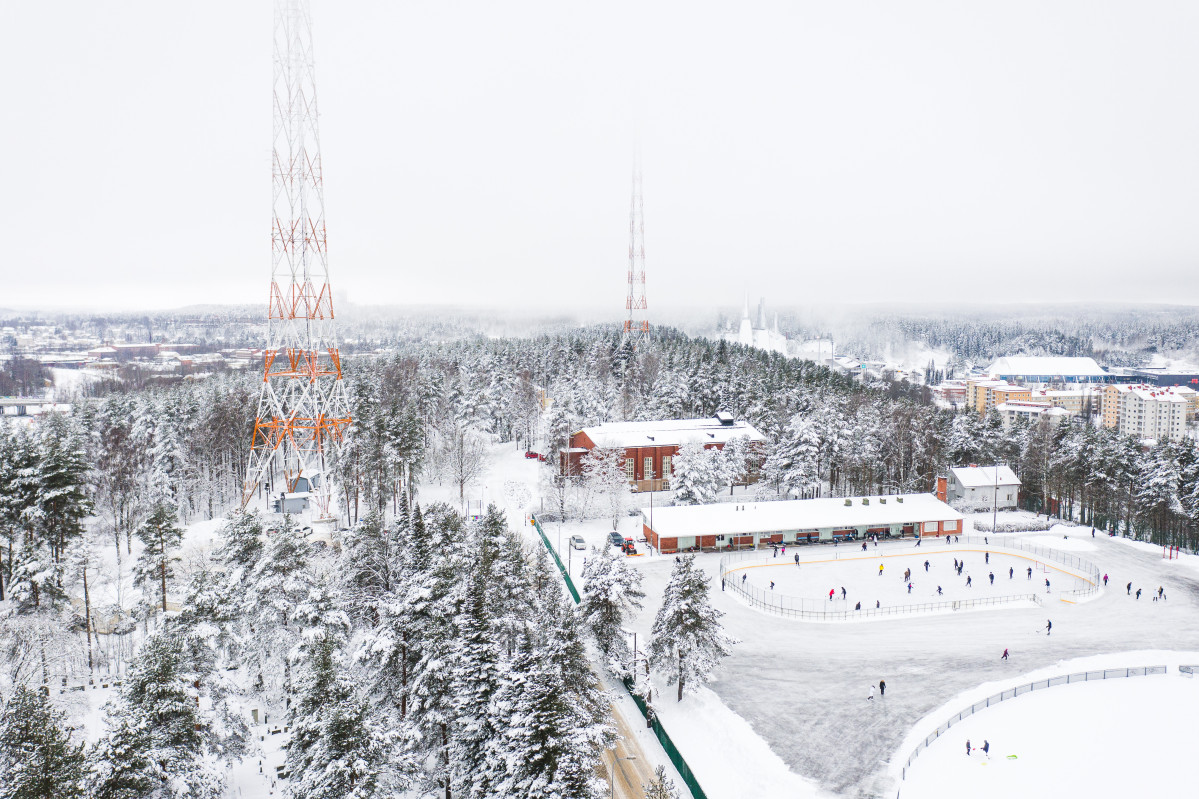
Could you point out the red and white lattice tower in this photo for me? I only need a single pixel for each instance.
(302, 411)
(637, 322)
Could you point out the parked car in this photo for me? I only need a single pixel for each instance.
(576, 542)
(615, 539)
(531, 455)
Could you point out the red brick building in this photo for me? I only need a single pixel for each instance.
(649, 447)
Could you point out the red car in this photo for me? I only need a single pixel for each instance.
(530, 454)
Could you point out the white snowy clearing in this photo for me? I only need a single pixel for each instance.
(1097, 738)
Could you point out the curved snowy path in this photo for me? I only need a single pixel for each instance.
(803, 686)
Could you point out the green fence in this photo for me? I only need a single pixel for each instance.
(671, 750)
(565, 575)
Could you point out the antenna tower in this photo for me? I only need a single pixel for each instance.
(302, 411)
(637, 323)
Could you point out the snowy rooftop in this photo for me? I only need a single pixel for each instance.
(1156, 393)
(979, 476)
(670, 432)
(1034, 366)
(1044, 408)
(727, 518)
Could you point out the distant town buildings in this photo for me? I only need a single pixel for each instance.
(1145, 411)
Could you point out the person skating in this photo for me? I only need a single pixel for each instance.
(967, 747)
(796, 558)
(1048, 626)
(992, 575)
(969, 580)
(876, 605)
(772, 585)
(909, 588)
(1105, 581)
(926, 566)
(986, 748)
(985, 541)
(858, 606)
(863, 546)
(831, 591)
(1011, 572)
(1130, 589)
(1138, 593)
(743, 578)
(988, 556)
(1030, 572)
(1004, 655)
(882, 687)
(880, 570)
(871, 697)
(843, 592)
(1047, 585)
(1160, 590)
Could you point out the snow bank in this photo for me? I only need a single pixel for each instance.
(729, 759)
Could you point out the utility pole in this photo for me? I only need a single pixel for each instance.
(636, 324)
(302, 410)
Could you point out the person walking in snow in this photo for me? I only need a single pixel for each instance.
(992, 575)
(1048, 626)
(1004, 656)
(882, 687)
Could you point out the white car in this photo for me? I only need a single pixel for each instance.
(576, 542)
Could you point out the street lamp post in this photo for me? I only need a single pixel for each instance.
(612, 773)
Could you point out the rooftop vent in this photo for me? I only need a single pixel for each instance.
(724, 417)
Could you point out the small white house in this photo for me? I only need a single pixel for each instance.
(984, 486)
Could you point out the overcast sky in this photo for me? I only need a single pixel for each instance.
(480, 153)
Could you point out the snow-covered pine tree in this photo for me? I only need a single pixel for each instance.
(60, 481)
(160, 537)
(157, 742)
(611, 589)
(696, 475)
(688, 640)
(661, 786)
(241, 541)
(37, 758)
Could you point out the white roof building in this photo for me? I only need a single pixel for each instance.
(1047, 369)
(734, 524)
(984, 486)
(719, 429)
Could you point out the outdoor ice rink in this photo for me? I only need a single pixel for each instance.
(821, 569)
(802, 686)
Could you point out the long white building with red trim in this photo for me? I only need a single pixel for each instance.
(726, 525)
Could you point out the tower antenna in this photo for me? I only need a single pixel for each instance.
(636, 324)
(302, 410)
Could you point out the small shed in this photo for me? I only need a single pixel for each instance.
(295, 502)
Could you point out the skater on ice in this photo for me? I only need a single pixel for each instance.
(1105, 581)
(1004, 655)
(992, 575)
(1048, 626)
(1030, 572)
(831, 591)
(1130, 589)
(986, 748)
(1011, 572)
(926, 565)
(1138, 593)
(882, 687)
(969, 579)
(1047, 585)
(967, 747)
(938, 590)
(871, 697)
(843, 592)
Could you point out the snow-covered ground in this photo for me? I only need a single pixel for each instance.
(1116, 737)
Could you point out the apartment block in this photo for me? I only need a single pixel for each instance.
(983, 395)
(1145, 411)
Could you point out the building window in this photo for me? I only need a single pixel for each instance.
(647, 472)
(628, 469)
(667, 466)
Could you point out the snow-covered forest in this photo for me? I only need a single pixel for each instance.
(427, 652)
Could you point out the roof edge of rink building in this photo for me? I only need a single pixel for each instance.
(726, 525)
